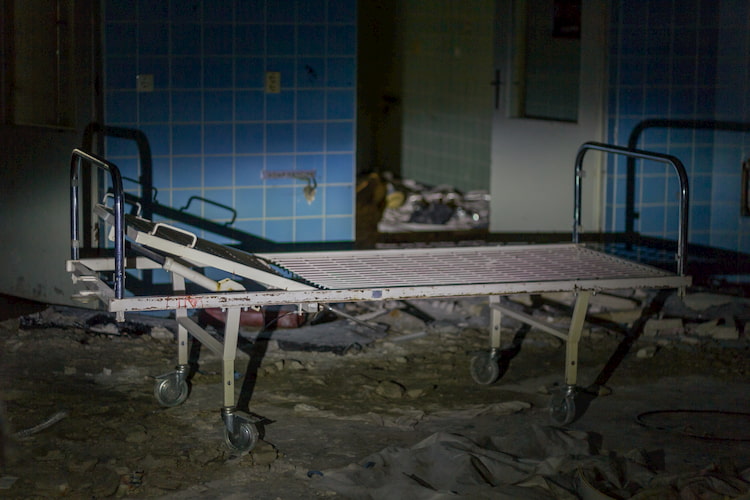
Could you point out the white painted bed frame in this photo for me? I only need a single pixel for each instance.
(309, 279)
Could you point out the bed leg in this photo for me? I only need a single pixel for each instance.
(231, 334)
(485, 365)
(182, 339)
(574, 337)
(172, 389)
(563, 406)
(240, 433)
(496, 317)
(178, 285)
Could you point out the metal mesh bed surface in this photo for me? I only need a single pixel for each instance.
(512, 265)
(458, 266)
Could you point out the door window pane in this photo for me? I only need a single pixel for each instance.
(548, 59)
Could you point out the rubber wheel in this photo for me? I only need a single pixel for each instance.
(171, 390)
(563, 408)
(243, 438)
(485, 369)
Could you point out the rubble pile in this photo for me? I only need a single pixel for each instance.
(411, 206)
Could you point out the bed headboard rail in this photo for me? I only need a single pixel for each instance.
(632, 153)
(77, 159)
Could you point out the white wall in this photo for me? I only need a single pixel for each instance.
(34, 192)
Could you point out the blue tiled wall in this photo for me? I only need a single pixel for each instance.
(685, 59)
(212, 127)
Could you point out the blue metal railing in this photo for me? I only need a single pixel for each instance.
(77, 159)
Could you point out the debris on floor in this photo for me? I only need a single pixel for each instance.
(337, 337)
(96, 321)
(389, 376)
(350, 327)
(41, 426)
(694, 318)
(539, 462)
(411, 206)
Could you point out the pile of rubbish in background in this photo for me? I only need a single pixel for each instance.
(411, 206)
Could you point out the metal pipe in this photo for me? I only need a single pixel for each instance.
(76, 161)
(75, 241)
(635, 134)
(144, 155)
(642, 155)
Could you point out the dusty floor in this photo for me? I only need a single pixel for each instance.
(325, 411)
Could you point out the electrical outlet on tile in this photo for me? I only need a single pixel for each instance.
(145, 83)
(273, 82)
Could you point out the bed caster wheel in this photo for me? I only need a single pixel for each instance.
(485, 368)
(240, 435)
(562, 406)
(171, 389)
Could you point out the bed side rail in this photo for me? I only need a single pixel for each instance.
(643, 155)
(77, 159)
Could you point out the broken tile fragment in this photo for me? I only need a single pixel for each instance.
(703, 301)
(663, 327)
(646, 352)
(720, 329)
(625, 317)
(264, 453)
(391, 390)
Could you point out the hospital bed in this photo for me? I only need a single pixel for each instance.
(314, 280)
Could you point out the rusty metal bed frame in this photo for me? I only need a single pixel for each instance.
(315, 279)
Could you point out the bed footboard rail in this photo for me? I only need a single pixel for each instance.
(642, 155)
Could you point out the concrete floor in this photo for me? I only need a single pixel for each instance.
(328, 414)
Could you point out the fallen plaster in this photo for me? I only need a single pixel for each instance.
(719, 329)
(660, 327)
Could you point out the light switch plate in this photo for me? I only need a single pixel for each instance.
(273, 82)
(145, 83)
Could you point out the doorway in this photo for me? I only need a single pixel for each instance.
(550, 83)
